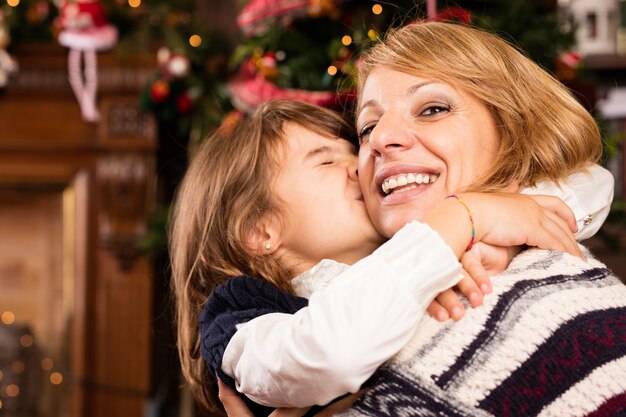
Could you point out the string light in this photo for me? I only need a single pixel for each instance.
(26, 340)
(195, 41)
(377, 9)
(13, 3)
(17, 367)
(47, 364)
(56, 378)
(134, 3)
(12, 390)
(372, 34)
(332, 70)
(346, 40)
(8, 317)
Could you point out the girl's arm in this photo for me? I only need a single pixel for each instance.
(588, 193)
(368, 313)
(361, 319)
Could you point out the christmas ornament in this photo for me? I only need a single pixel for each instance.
(8, 65)
(84, 30)
(159, 91)
(258, 15)
(248, 90)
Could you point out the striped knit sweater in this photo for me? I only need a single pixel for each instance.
(549, 341)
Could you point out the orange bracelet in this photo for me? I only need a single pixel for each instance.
(469, 212)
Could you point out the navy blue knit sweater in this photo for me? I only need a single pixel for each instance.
(235, 302)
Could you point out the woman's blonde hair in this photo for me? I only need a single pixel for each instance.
(224, 194)
(544, 131)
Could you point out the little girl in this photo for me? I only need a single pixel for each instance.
(268, 201)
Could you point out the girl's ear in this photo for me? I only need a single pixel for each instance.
(266, 236)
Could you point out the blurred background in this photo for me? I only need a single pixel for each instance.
(102, 104)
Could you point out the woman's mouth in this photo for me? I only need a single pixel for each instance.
(405, 182)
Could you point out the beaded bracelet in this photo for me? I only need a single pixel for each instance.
(469, 212)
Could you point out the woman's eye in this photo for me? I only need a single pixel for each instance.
(364, 133)
(327, 163)
(434, 110)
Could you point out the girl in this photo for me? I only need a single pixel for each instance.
(272, 198)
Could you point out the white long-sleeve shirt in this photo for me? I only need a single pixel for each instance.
(360, 316)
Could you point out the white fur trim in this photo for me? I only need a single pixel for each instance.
(99, 39)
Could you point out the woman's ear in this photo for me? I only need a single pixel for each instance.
(265, 237)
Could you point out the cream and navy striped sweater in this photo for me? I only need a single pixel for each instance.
(549, 341)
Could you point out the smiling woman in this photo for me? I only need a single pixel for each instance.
(451, 135)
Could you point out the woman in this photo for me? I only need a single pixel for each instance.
(553, 332)
(554, 327)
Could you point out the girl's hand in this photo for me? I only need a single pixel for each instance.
(504, 219)
(479, 264)
(236, 407)
(545, 222)
(233, 404)
(511, 220)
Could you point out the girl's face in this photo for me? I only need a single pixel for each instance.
(319, 192)
(421, 140)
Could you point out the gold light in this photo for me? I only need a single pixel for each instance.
(56, 378)
(26, 340)
(13, 3)
(332, 70)
(195, 41)
(8, 317)
(377, 9)
(134, 3)
(372, 34)
(346, 40)
(46, 364)
(12, 390)
(17, 367)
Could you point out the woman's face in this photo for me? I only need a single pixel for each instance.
(320, 194)
(421, 140)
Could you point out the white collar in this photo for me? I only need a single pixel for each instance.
(317, 277)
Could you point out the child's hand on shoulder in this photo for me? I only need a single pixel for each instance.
(479, 265)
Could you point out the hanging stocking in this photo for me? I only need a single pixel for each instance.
(84, 30)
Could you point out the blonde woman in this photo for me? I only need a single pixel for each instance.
(466, 107)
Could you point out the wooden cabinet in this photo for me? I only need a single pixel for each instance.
(74, 198)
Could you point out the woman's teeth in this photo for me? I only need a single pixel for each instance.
(407, 181)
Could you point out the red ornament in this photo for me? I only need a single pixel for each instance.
(159, 91)
(184, 103)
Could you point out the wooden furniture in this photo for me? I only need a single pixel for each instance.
(74, 198)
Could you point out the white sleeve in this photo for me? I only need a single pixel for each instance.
(361, 319)
(589, 194)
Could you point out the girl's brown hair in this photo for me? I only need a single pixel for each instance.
(226, 191)
(544, 132)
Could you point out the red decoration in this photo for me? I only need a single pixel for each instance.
(249, 90)
(184, 104)
(84, 30)
(159, 91)
(257, 15)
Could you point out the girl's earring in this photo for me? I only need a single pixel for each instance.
(268, 246)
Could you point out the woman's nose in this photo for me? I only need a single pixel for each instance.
(390, 135)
